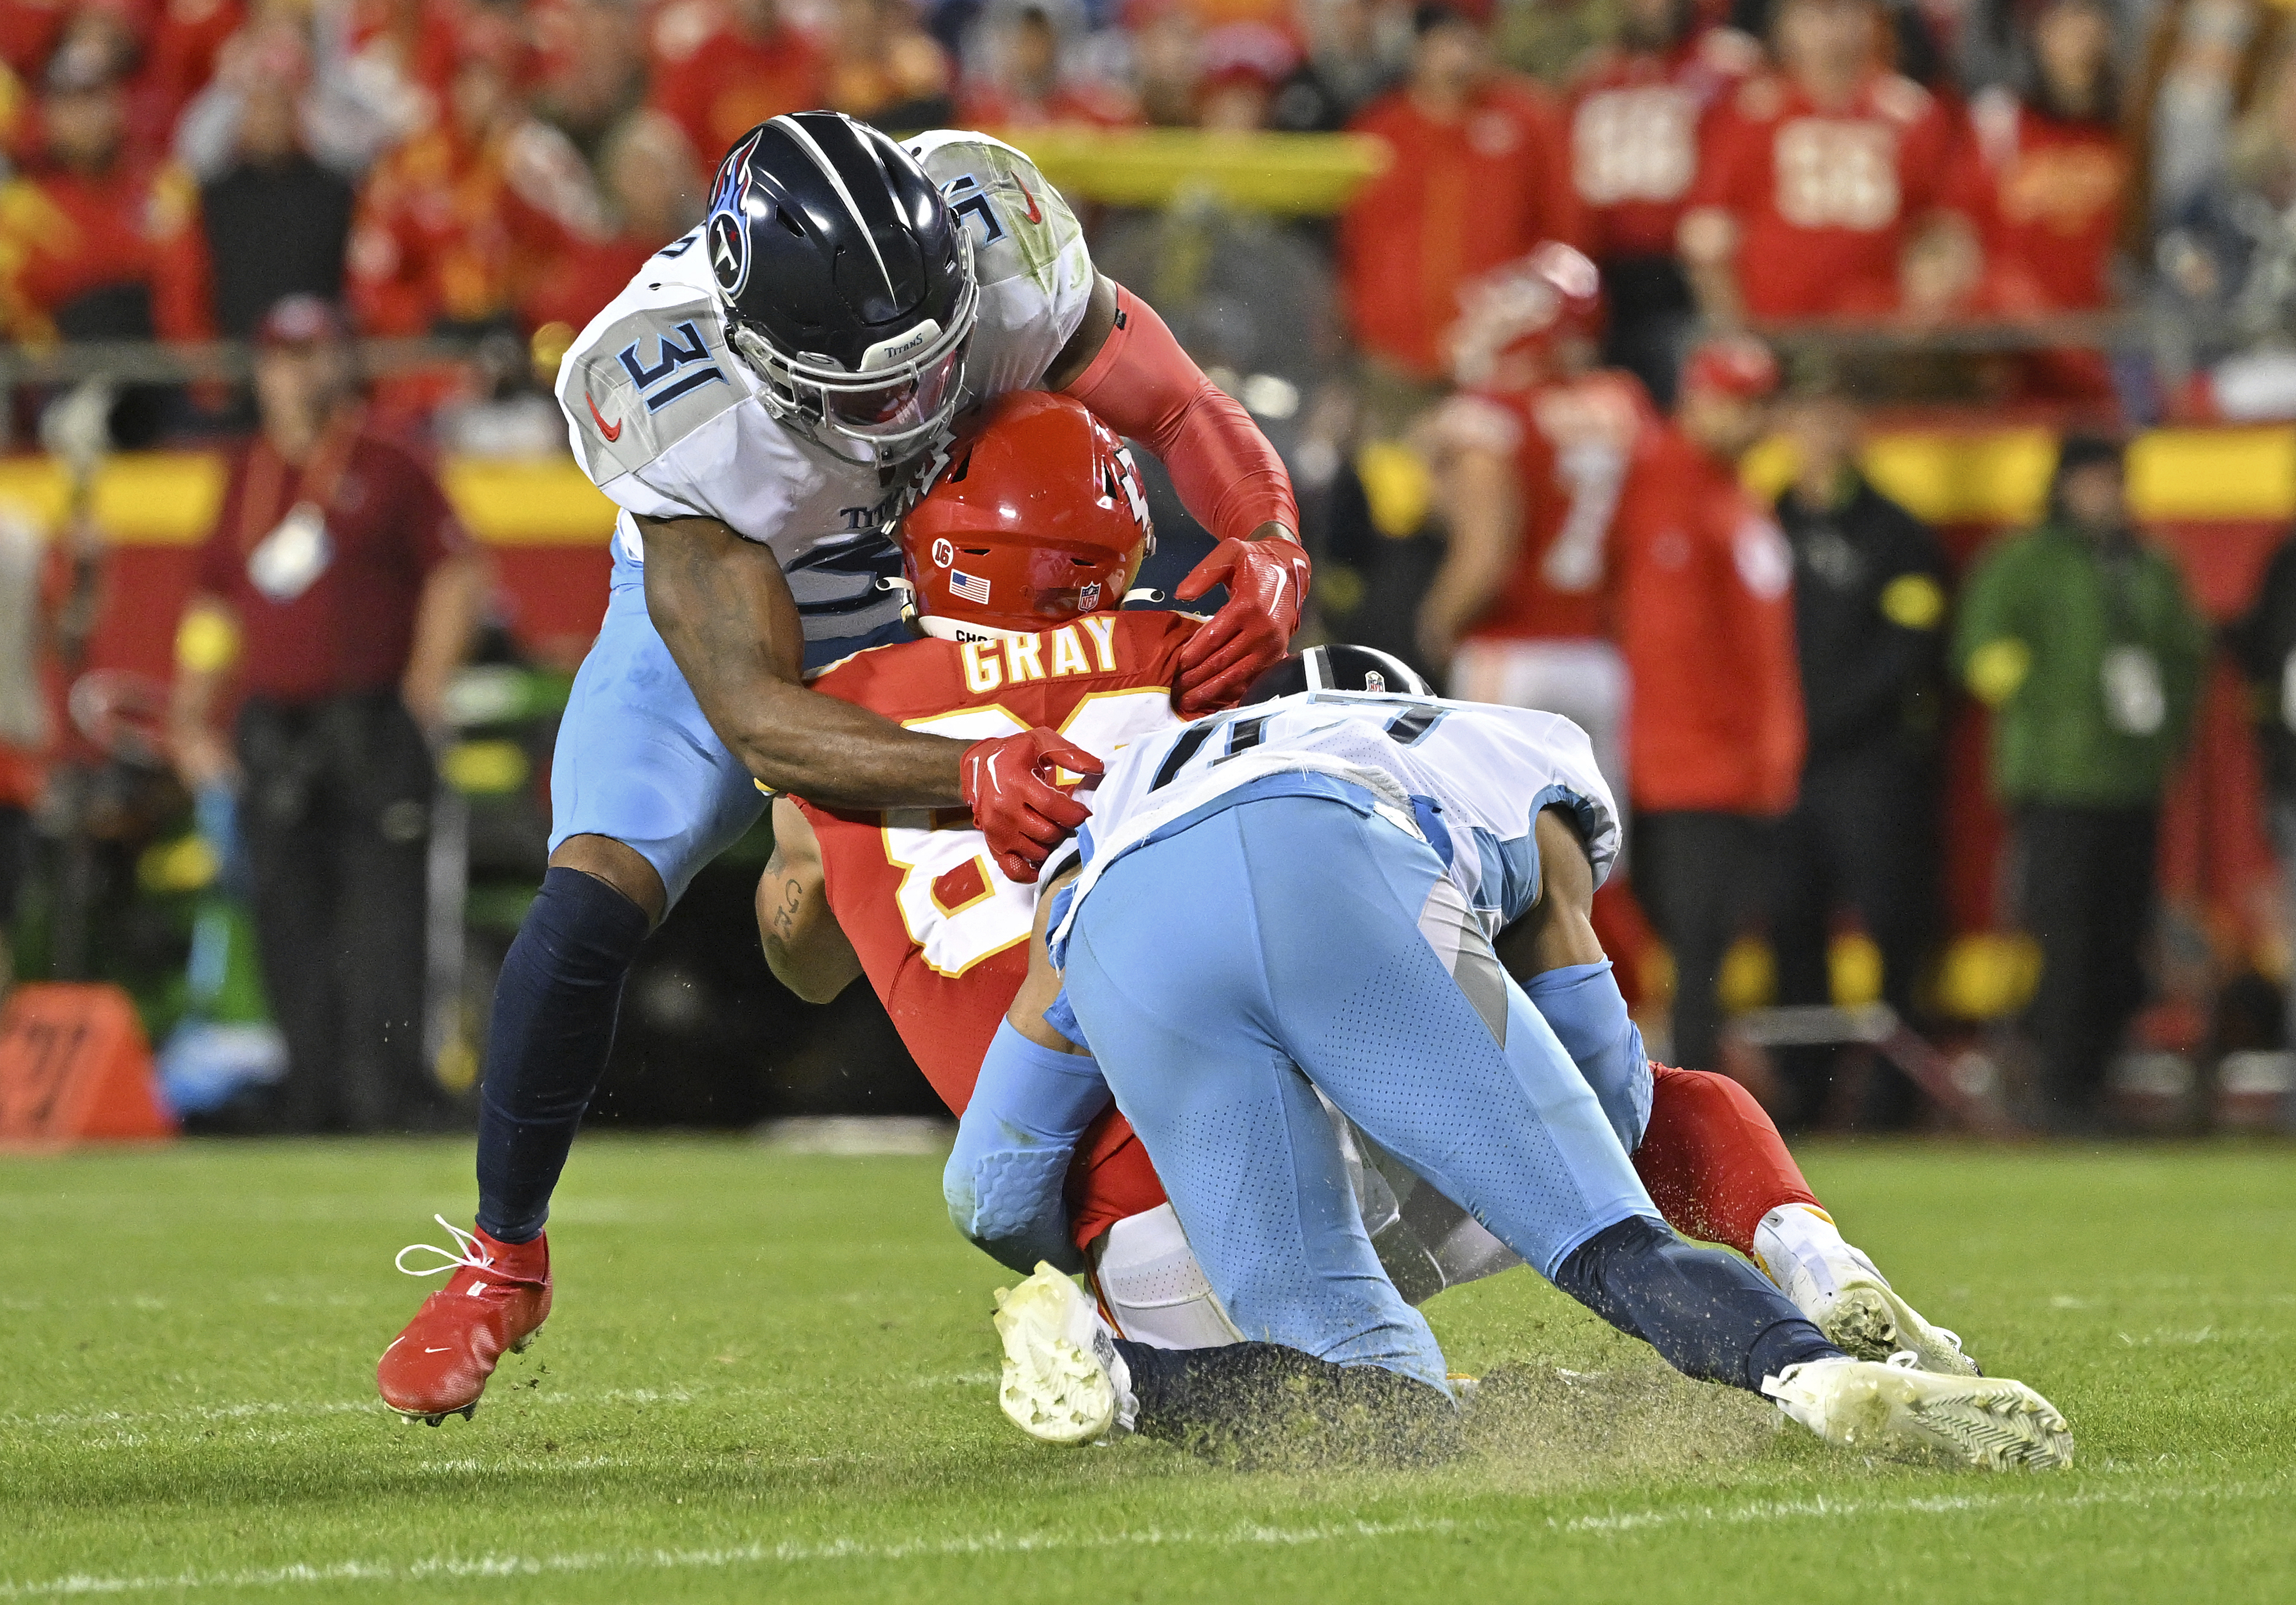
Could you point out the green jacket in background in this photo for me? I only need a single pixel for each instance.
(2090, 658)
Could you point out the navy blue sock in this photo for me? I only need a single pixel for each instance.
(1712, 1316)
(553, 1024)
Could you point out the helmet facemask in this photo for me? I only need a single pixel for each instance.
(889, 411)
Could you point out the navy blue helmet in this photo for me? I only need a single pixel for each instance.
(1337, 668)
(847, 284)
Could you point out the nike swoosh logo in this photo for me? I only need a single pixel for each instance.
(612, 432)
(1034, 214)
(434, 1351)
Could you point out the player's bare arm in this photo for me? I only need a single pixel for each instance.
(806, 948)
(1043, 985)
(1484, 520)
(1559, 930)
(727, 616)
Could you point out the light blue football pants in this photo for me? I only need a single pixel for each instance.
(1296, 940)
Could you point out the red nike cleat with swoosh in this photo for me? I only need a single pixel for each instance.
(495, 1302)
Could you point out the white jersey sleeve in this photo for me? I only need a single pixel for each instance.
(667, 422)
(1036, 274)
(1471, 777)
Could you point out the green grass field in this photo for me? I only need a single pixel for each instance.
(768, 1376)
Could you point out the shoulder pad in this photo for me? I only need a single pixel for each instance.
(633, 386)
(1020, 225)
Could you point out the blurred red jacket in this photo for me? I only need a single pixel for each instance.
(64, 234)
(1705, 619)
(1458, 199)
(716, 85)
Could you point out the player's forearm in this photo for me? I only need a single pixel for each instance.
(726, 615)
(830, 752)
(806, 948)
(445, 622)
(1227, 475)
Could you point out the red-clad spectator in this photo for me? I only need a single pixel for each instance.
(1533, 457)
(186, 37)
(594, 68)
(30, 31)
(1638, 111)
(720, 69)
(885, 69)
(1480, 175)
(1820, 186)
(1715, 736)
(1242, 66)
(2051, 174)
(654, 190)
(407, 50)
(456, 226)
(1021, 82)
(95, 244)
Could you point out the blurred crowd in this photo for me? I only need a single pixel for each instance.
(459, 166)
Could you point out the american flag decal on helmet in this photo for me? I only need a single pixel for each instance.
(971, 587)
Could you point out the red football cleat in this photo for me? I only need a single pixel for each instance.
(497, 1299)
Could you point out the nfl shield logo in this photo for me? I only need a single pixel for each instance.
(1088, 599)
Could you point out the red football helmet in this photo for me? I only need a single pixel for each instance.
(1512, 318)
(1037, 516)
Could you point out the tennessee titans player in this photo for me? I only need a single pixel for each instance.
(760, 403)
(1338, 852)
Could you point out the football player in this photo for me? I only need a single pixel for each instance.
(1018, 559)
(1534, 453)
(1287, 908)
(759, 403)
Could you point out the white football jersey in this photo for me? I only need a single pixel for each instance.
(1469, 777)
(667, 422)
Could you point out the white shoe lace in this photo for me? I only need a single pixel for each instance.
(465, 1252)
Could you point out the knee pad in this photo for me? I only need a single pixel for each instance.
(1581, 1003)
(1157, 1293)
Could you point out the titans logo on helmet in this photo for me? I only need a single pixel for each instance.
(726, 236)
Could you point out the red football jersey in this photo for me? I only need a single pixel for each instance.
(1823, 200)
(942, 936)
(2049, 193)
(1634, 124)
(1705, 624)
(1574, 442)
(1459, 199)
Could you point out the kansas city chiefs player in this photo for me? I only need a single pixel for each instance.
(1019, 558)
(1534, 450)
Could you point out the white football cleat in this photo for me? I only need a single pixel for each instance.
(1846, 1296)
(1063, 1383)
(1898, 1409)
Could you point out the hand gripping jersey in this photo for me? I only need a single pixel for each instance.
(942, 936)
(1469, 777)
(666, 421)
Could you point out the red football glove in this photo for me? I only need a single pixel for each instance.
(1007, 783)
(1266, 582)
